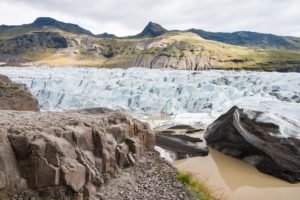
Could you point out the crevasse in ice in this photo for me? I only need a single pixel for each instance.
(155, 91)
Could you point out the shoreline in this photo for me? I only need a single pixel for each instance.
(287, 69)
(230, 178)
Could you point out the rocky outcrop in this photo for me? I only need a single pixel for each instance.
(180, 145)
(245, 135)
(16, 96)
(63, 155)
(34, 41)
(172, 62)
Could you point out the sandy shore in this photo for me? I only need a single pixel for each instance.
(230, 178)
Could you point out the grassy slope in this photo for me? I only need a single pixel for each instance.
(194, 186)
(122, 52)
(230, 56)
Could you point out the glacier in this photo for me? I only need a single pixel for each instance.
(188, 96)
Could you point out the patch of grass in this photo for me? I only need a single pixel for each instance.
(194, 186)
(62, 60)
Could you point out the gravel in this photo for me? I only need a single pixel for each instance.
(150, 178)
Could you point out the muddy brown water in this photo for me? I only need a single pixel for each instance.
(228, 178)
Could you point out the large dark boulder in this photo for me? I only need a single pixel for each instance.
(244, 134)
(182, 146)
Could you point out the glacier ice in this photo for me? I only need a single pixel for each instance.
(143, 91)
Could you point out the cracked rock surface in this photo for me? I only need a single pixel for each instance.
(59, 155)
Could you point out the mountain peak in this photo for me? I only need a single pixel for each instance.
(44, 21)
(152, 24)
(48, 21)
(152, 30)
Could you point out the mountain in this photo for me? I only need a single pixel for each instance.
(42, 23)
(151, 30)
(47, 21)
(251, 39)
(241, 38)
(48, 41)
(106, 35)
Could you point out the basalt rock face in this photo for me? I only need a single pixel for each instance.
(16, 96)
(239, 133)
(67, 155)
(163, 61)
(36, 41)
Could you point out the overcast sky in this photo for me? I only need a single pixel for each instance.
(128, 17)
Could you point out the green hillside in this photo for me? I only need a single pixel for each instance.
(54, 43)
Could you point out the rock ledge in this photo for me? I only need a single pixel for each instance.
(16, 96)
(60, 155)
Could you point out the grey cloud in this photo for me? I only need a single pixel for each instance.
(130, 16)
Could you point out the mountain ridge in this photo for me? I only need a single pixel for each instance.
(241, 38)
(50, 42)
(73, 28)
(251, 39)
(41, 22)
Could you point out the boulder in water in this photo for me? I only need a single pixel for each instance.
(183, 146)
(272, 147)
